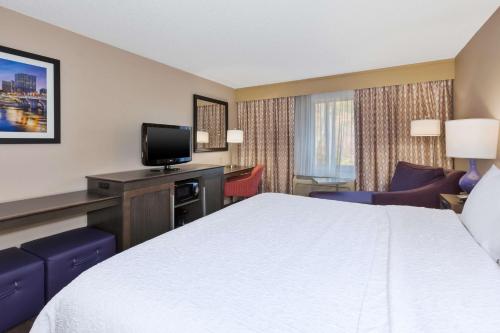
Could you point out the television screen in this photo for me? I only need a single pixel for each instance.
(166, 144)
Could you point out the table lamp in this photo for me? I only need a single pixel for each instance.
(233, 137)
(471, 139)
(425, 127)
(201, 137)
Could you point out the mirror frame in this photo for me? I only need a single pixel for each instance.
(196, 98)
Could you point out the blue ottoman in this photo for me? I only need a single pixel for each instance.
(21, 287)
(346, 196)
(68, 254)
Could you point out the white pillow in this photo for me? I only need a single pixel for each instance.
(481, 213)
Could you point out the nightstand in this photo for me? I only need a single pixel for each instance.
(451, 201)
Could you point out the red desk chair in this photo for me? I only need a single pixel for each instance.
(246, 186)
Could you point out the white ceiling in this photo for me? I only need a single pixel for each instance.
(253, 42)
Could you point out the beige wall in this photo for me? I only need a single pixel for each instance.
(477, 83)
(427, 71)
(106, 93)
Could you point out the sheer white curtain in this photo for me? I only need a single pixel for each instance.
(324, 135)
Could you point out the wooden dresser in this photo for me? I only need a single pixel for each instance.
(148, 206)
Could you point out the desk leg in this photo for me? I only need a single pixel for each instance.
(110, 220)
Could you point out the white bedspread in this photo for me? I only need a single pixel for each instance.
(278, 263)
(440, 279)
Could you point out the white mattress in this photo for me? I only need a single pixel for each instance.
(278, 263)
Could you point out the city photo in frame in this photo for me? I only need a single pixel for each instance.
(29, 98)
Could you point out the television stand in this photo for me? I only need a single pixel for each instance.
(166, 168)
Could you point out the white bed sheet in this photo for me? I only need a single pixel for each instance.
(278, 263)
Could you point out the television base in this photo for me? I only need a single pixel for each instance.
(170, 168)
(166, 168)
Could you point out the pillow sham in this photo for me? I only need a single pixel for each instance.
(481, 213)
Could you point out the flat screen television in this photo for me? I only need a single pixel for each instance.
(166, 145)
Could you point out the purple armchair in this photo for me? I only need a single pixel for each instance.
(411, 185)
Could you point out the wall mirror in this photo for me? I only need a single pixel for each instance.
(210, 124)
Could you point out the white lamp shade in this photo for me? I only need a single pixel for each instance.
(426, 127)
(234, 136)
(472, 138)
(201, 137)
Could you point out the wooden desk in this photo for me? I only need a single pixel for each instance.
(133, 205)
(21, 212)
(236, 171)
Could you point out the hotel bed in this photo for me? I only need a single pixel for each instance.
(280, 263)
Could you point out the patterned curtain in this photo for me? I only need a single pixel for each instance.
(382, 129)
(212, 119)
(268, 127)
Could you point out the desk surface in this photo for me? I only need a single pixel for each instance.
(142, 174)
(83, 200)
(236, 170)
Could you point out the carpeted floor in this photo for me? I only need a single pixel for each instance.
(22, 328)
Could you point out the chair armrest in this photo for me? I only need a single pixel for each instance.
(421, 197)
(425, 196)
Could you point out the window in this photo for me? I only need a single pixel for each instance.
(324, 135)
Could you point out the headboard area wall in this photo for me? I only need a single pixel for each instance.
(477, 79)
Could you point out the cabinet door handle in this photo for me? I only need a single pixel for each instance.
(204, 201)
(172, 210)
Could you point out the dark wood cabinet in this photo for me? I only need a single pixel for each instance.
(148, 206)
(213, 191)
(149, 212)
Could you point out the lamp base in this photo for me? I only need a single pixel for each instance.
(471, 178)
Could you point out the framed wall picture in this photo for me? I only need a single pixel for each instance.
(29, 98)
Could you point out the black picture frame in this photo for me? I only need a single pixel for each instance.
(195, 122)
(55, 99)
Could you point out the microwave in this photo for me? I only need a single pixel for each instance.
(187, 190)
